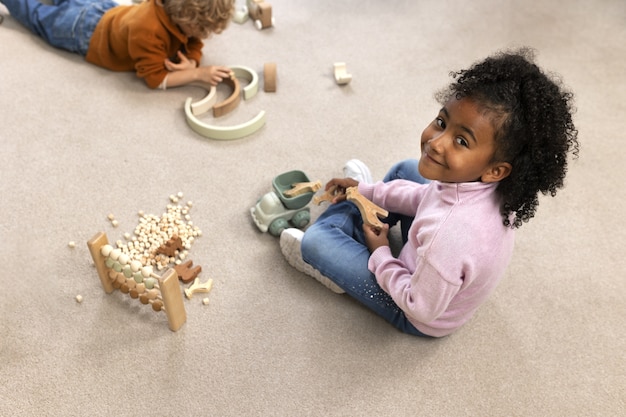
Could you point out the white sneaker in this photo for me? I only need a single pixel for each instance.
(357, 170)
(290, 240)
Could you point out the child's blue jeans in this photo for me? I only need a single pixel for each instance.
(66, 24)
(335, 246)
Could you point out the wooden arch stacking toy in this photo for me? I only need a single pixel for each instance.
(117, 271)
(192, 110)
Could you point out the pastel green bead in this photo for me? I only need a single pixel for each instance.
(117, 267)
(109, 263)
(127, 271)
(150, 283)
(138, 277)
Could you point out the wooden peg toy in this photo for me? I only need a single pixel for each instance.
(186, 273)
(369, 211)
(170, 247)
(198, 287)
(300, 188)
(269, 77)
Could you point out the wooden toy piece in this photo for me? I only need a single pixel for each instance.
(300, 188)
(232, 101)
(369, 211)
(202, 106)
(186, 273)
(241, 15)
(250, 76)
(172, 300)
(170, 247)
(223, 133)
(95, 245)
(341, 73)
(198, 287)
(269, 77)
(327, 196)
(261, 13)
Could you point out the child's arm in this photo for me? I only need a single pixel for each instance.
(187, 72)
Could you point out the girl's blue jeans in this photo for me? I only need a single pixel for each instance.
(65, 24)
(335, 246)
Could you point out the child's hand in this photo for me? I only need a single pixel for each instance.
(375, 238)
(183, 64)
(341, 185)
(213, 74)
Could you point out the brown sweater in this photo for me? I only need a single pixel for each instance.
(140, 38)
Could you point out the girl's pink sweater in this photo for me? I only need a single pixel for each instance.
(457, 250)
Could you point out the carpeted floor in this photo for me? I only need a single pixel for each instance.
(80, 143)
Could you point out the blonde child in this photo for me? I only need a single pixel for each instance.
(160, 40)
(501, 137)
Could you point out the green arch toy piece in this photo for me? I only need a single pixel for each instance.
(223, 133)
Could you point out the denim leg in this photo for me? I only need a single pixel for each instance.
(335, 246)
(67, 24)
(403, 170)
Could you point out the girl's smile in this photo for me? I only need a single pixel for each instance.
(459, 145)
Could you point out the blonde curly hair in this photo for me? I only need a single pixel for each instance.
(205, 16)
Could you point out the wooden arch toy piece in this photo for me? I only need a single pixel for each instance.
(369, 211)
(269, 77)
(203, 106)
(232, 101)
(223, 133)
(341, 73)
(249, 75)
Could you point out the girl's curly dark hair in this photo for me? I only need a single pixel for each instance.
(532, 116)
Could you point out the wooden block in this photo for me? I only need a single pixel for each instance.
(95, 245)
(369, 211)
(172, 300)
(269, 77)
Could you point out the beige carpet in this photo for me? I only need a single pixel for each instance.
(79, 142)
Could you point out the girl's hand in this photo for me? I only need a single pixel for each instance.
(183, 64)
(375, 238)
(213, 74)
(341, 185)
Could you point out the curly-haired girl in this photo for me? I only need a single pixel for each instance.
(158, 39)
(502, 135)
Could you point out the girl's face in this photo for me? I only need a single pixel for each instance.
(459, 145)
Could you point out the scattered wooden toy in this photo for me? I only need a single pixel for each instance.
(170, 247)
(269, 77)
(341, 74)
(185, 271)
(328, 195)
(198, 287)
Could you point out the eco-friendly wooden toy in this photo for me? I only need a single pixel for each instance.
(269, 77)
(117, 271)
(300, 188)
(369, 211)
(187, 272)
(261, 13)
(341, 74)
(232, 101)
(198, 287)
(275, 210)
(192, 110)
